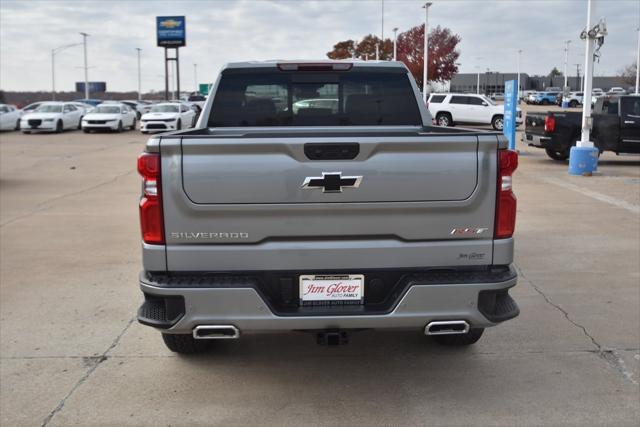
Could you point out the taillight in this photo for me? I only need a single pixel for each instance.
(151, 222)
(505, 199)
(550, 123)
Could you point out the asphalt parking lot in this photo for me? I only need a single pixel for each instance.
(72, 354)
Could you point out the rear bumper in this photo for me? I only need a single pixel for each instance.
(177, 304)
(536, 140)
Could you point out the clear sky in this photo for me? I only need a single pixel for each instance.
(224, 31)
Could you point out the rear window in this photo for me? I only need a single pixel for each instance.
(437, 99)
(359, 97)
(458, 100)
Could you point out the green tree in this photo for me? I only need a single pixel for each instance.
(555, 73)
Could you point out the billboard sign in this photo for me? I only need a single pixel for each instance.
(204, 88)
(510, 103)
(171, 31)
(93, 87)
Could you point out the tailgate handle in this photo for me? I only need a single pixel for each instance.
(332, 150)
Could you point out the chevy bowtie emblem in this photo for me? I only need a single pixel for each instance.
(331, 182)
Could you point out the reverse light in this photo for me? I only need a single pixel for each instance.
(151, 221)
(506, 201)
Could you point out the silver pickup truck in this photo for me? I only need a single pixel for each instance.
(318, 197)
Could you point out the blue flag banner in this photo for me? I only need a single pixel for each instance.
(510, 104)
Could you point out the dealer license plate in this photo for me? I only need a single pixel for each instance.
(332, 289)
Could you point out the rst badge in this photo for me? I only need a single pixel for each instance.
(469, 231)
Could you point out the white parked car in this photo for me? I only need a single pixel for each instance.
(52, 117)
(449, 109)
(168, 116)
(617, 91)
(9, 117)
(575, 99)
(85, 108)
(110, 116)
(596, 91)
(31, 107)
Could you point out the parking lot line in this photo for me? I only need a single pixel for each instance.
(594, 194)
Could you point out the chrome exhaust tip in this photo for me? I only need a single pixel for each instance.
(449, 327)
(216, 332)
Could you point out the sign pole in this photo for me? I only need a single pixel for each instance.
(177, 74)
(166, 74)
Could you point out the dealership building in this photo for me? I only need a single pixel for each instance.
(493, 82)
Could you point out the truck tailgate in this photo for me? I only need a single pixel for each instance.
(429, 195)
(273, 170)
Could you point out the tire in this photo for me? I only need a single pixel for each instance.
(119, 127)
(444, 119)
(133, 125)
(544, 102)
(497, 122)
(143, 131)
(59, 127)
(80, 124)
(560, 156)
(179, 125)
(573, 103)
(26, 132)
(86, 130)
(185, 343)
(17, 125)
(469, 338)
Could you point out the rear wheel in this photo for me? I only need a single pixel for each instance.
(133, 124)
(59, 127)
(469, 338)
(561, 155)
(185, 343)
(80, 123)
(544, 102)
(179, 125)
(573, 103)
(497, 122)
(444, 119)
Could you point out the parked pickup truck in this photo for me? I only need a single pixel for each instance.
(328, 219)
(616, 127)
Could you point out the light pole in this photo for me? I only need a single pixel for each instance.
(566, 60)
(518, 69)
(195, 77)
(425, 72)
(565, 89)
(139, 76)
(86, 67)
(53, 66)
(395, 41)
(583, 158)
